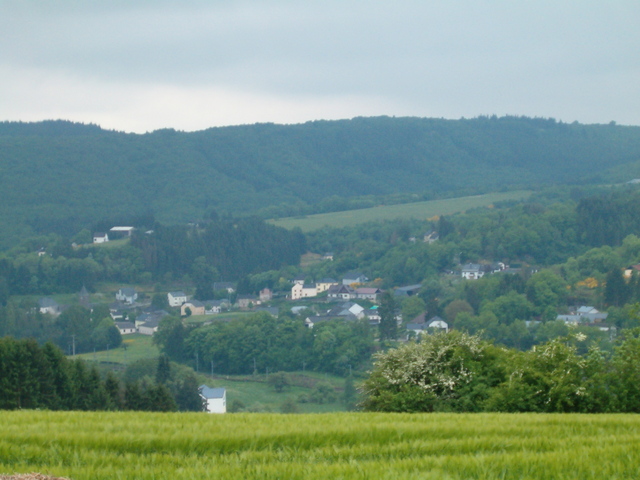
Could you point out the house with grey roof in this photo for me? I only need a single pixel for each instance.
(368, 293)
(352, 277)
(48, 305)
(126, 328)
(127, 295)
(176, 298)
(343, 292)
(192, 307)
(149, 327)
(472, 271)
(214, 399)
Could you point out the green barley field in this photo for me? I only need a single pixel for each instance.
(321, 446)
(421, 210)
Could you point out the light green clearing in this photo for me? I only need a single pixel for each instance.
(101, 445)
(422, 210)
(134, 347)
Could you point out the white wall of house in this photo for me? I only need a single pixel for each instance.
(303, 291)
(177, 300)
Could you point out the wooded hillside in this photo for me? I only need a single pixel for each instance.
(59, 177)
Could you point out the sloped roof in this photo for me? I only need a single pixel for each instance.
(208, 392)
(47, 303)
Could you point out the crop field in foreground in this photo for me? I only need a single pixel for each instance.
(322, 446)
(420, 210)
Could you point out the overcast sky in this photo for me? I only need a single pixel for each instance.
(189, 65)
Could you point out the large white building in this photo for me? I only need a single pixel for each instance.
(472, 271)
(215, 399)
(176, 298)
(303, 291)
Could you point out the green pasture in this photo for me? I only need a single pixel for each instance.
(131, 445)
(257, 394)
(134, 347)
(423, 210)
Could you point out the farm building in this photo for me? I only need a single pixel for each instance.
(215, 399)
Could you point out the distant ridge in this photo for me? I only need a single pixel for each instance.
(59, 176)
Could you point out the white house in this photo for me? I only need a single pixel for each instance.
(176, 298)
(100, 237)
(127, 295)
(303, 291)
(215, 399)
(148, 328)
(48, 305)
(126, 328)
(472, 271)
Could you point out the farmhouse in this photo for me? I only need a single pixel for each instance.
(126, 328)
(214, 399)
(48, 305)
(176, 298)
(192, 307)
(149, 328)
(247, 301)
(300, 290)
(472, 271)
(126, 295)
(100, 237)
(368, 293)
(343, 292)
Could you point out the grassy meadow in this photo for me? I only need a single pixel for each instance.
(423, 210)
(134, 347)
(99, 445)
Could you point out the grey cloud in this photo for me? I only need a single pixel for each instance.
(448, 57)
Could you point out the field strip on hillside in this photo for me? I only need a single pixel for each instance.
(421, 210)
(110, 445)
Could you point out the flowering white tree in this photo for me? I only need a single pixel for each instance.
(439, 373)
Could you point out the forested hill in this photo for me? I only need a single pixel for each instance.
(58, 176)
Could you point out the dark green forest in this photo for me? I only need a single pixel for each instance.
(61, 177)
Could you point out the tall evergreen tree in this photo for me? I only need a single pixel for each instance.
(163, 372)
(388, 327)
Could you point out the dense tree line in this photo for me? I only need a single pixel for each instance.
(34, 376)
(462, 373)
(607, 219)
(260, 342)
(76, 329)
(226, 247)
